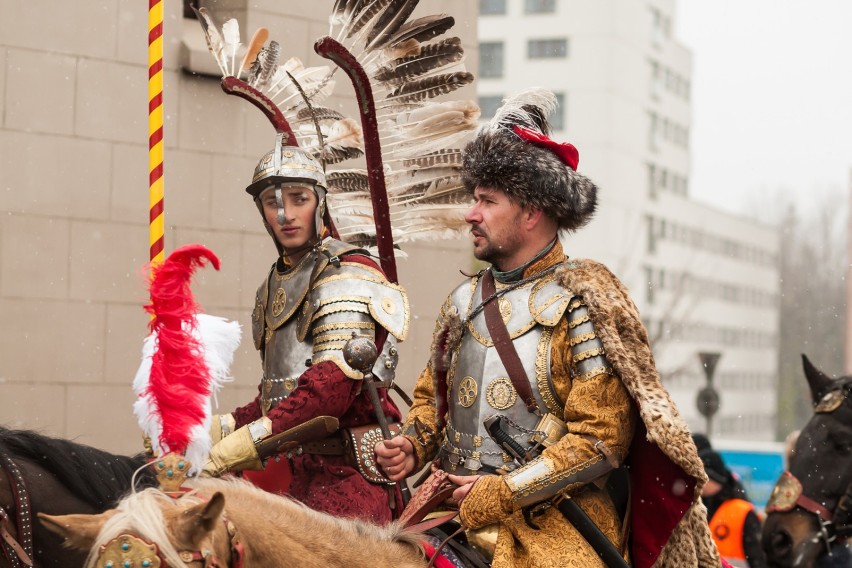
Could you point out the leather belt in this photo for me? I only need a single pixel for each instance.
(331, 446)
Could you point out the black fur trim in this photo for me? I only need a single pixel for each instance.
(531, 176)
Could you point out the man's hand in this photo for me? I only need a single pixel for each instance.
(396, 457)
(465, 483)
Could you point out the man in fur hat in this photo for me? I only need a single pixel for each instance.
(554, 348)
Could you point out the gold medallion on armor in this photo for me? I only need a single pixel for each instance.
(278, 302)
(505, 307)
(289, 384)
(500, 394)
(467, 392)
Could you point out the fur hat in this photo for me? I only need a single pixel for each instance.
(513, 153)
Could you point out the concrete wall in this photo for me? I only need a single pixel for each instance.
(74, 203)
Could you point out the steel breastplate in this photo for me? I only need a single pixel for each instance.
(478, 384)
(284, 360)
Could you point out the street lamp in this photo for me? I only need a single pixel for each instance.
(708, 397)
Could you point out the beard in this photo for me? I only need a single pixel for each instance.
(496, 247)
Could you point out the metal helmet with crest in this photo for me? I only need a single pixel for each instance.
(411, 188)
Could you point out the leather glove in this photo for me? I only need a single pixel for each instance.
(238, 451)
(221, 425)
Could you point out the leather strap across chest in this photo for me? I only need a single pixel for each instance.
(18, 551)
(503, 343)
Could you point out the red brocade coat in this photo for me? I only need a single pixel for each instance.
(326, 483)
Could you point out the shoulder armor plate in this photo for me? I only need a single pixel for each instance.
(355, 287)
(549, 300)
(588, 356)
(258, 320)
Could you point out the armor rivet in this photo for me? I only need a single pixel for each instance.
(393, 351)
(388, 364)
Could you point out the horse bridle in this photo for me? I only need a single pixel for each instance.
(789, 493)
(18, 551)
(139, 552)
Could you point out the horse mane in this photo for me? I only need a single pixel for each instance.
(96, 476)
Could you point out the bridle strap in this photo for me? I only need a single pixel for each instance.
(23, 550)
(9, 539)
(812, 506)
(209, 560)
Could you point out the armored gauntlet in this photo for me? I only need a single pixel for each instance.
(238, 451)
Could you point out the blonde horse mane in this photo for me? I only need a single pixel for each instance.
(266, 523)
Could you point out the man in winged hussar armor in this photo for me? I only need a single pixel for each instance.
(318, 293)
(548, 353)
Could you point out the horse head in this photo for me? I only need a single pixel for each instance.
(151, 529)
(811, 506)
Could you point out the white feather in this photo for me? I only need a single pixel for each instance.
(219, 339)
(512, 111)
(231, 35)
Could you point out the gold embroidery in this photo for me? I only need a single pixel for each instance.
(467, 392)
(586, 354)
(542, 370)
(278, 302)
(577, 340)
(500, 394)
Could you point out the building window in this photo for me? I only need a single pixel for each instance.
(557, 118)
(491, 59)
(488, 105)
(492, 7)
(547, 48)
(539, 6)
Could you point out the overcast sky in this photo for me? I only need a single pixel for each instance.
(772, 98)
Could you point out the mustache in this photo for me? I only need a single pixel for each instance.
(476, 229)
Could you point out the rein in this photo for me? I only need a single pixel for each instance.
(18, 551)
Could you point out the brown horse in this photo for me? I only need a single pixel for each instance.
(810, 511)
(262, 529)
(43, 474)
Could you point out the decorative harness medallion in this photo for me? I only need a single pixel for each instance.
(467, 392)
(278, 302)
(501, 394)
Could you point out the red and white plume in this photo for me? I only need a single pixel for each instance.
(186, 359)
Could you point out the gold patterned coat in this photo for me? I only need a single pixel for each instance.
(601, 407)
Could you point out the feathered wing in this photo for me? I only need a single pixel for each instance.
(410, 67)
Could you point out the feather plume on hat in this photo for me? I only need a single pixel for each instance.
(514, 153)
(185, 361)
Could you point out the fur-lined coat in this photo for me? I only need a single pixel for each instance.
(669, 524)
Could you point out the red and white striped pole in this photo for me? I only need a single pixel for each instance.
(156, 222)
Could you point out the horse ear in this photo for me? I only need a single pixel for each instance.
(79, 531)
(818, 381)
(201, 519)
